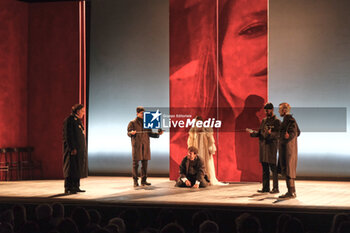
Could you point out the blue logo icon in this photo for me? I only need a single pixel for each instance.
(152, 120)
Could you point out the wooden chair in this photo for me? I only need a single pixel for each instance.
(12, 160)
(27, 164)
(4, 166)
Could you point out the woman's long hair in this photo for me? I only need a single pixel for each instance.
(209, 68)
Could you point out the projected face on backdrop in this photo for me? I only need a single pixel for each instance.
(223, 68)
(244, 50)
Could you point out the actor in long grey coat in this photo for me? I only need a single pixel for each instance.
(140, 146)
(74, 150)
(268, 143)
(288, 148)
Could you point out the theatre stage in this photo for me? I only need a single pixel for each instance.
(311, 195)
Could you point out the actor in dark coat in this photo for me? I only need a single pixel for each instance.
(268, 143)
(74, 150)
(288, 149)
(140, 146)
(192, 171)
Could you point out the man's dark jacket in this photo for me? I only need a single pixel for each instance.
(268, 143)
(74, 166)
(198, 167)
(140, 138)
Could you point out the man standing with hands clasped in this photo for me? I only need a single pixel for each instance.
(268, 144)
(74, 150)
(140, 146)
(288, 149)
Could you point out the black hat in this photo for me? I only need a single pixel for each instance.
(268, 106)
(76, 108)
(140, 109)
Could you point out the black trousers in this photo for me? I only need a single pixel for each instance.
(71, 183)
(135, 167)
(179, 183)
(266, 167)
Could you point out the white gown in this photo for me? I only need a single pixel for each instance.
(203, 139)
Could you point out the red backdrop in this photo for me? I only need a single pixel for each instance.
(53, 74)
(218, 68)
(13, 73)
(39, 70)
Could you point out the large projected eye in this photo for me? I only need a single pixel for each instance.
(254, 30)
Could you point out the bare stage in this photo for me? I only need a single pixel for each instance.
(311, 195)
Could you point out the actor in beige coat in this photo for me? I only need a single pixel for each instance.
(288, 149)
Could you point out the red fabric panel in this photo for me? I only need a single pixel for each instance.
(192, 33)
(13, 73)
(54, 78)
(218, 60)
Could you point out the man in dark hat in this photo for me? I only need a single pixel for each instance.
(268, 142)
(140, 146)
(74, 150)
(288, 149)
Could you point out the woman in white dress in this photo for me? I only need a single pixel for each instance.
(203, 139)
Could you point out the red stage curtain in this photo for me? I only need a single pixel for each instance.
(218, 68)
(13, 73)
(53, 78)
(39, 70)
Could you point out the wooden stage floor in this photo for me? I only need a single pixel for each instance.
(311, 195)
